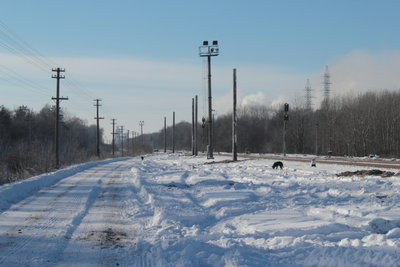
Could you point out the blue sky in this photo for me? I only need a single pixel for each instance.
(141, 57)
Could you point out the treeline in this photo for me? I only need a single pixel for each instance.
(27, 142)
(360, 125)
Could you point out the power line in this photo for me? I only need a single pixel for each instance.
(19, 47)
(24, 46)
(24, 57)
(17, 82)
(23, 80)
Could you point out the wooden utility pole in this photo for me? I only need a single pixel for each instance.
(113, 137)
(165, 134)
(122, 141)
(133, 143)
(97, 118)
(234, 119)
(141, 123)
(127, 142)
(173, 132)
(58, 76)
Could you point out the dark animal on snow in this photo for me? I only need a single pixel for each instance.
(277, 164)
(142, 157)
(313, 162)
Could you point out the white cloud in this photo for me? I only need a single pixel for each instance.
(258, 99)
(277, 103)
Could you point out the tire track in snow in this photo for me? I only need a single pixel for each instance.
(32, 224)
(78, 219)
(106, 235)
(47, 223)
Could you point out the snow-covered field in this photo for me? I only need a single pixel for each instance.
(174, 210)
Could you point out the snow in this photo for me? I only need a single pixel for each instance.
(174, 210)
(15, 192)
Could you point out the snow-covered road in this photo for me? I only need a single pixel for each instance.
(174, 210)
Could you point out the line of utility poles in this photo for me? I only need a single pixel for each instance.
(173, 133)
(205, 50)
(58, 76)
(97, 118)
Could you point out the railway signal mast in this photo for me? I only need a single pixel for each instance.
(209, 51)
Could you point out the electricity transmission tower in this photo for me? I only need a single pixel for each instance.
(308, 95)
(327, 84)
(58, 76)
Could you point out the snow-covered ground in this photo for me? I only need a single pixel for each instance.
(174, 210)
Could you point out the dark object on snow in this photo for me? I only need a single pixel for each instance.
(369, 172)
(313, 164)
(277, 164)
(142, 157)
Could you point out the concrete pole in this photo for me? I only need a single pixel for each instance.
(316, 139)
(210, 154)
(113, 137)
(173, 132)
(195, 127)
(165, 134)
(234, 119)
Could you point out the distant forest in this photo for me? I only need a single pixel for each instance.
(27, 138)
(360, 125)
(27, 142)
